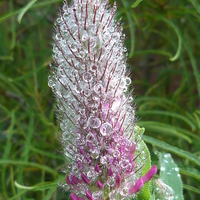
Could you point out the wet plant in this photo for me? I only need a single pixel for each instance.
(104, 149)
(162, 41)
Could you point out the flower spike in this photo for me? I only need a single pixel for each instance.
(98, 128)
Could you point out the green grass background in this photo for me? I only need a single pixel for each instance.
(163, 42)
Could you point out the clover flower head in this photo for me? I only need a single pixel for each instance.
(97, 122)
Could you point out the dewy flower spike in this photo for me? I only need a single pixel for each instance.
(99, 136)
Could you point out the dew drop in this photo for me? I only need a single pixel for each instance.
(116, 105)
(62, 126)
(87, 77)
(95, 153)
(90, 137)
(124, 163)
(103, 160)
(51, 83)
(98, 88)
(84, 36)
(98, 195)
(66, 136)
(92, 42)
(78, 136)
(176, 169)
(112, 194)
(93, 67)
(105, 129)
(111, 181)
(86, 92)
(124, 191)
(162, 168)
(116, 153)
(79, 157)
(94, 122)
(130, 99)
(83, 123)
(61, 72)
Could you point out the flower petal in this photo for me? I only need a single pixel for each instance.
(137, 187)
(149, 174)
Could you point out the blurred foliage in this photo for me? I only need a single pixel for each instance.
(163, 40)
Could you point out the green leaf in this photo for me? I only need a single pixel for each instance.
(169, 174)
(136, 3)
(145, 191)
(24, 10)
(172, 149)
(145, 194)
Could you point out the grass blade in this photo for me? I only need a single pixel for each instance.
(191, 172)
(172, 149)
(25, 9)
(136, 3)
(166, 113)
(131, 25)
(192, 189)
(30, 164)
(193, 63)
(165, 129)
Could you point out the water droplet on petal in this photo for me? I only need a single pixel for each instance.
(78, 136)
(106, 129)
(116, 153)
(103, 160)
(128, 81)
(90, 137)
(98, 88)
(93, 67)
(92, 42)
(124, 191)
(116, 105)
(51, 83)
(61, 71)
(94, 122)
(86, 92)
(66, 136)
(62, 126)
(95, 153)
(84, 36)
(124, 163)
(79, 157)
(130, 99)
(111, 181)
(87, 77)
(98, 195)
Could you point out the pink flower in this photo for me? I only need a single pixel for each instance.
(97, 123)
